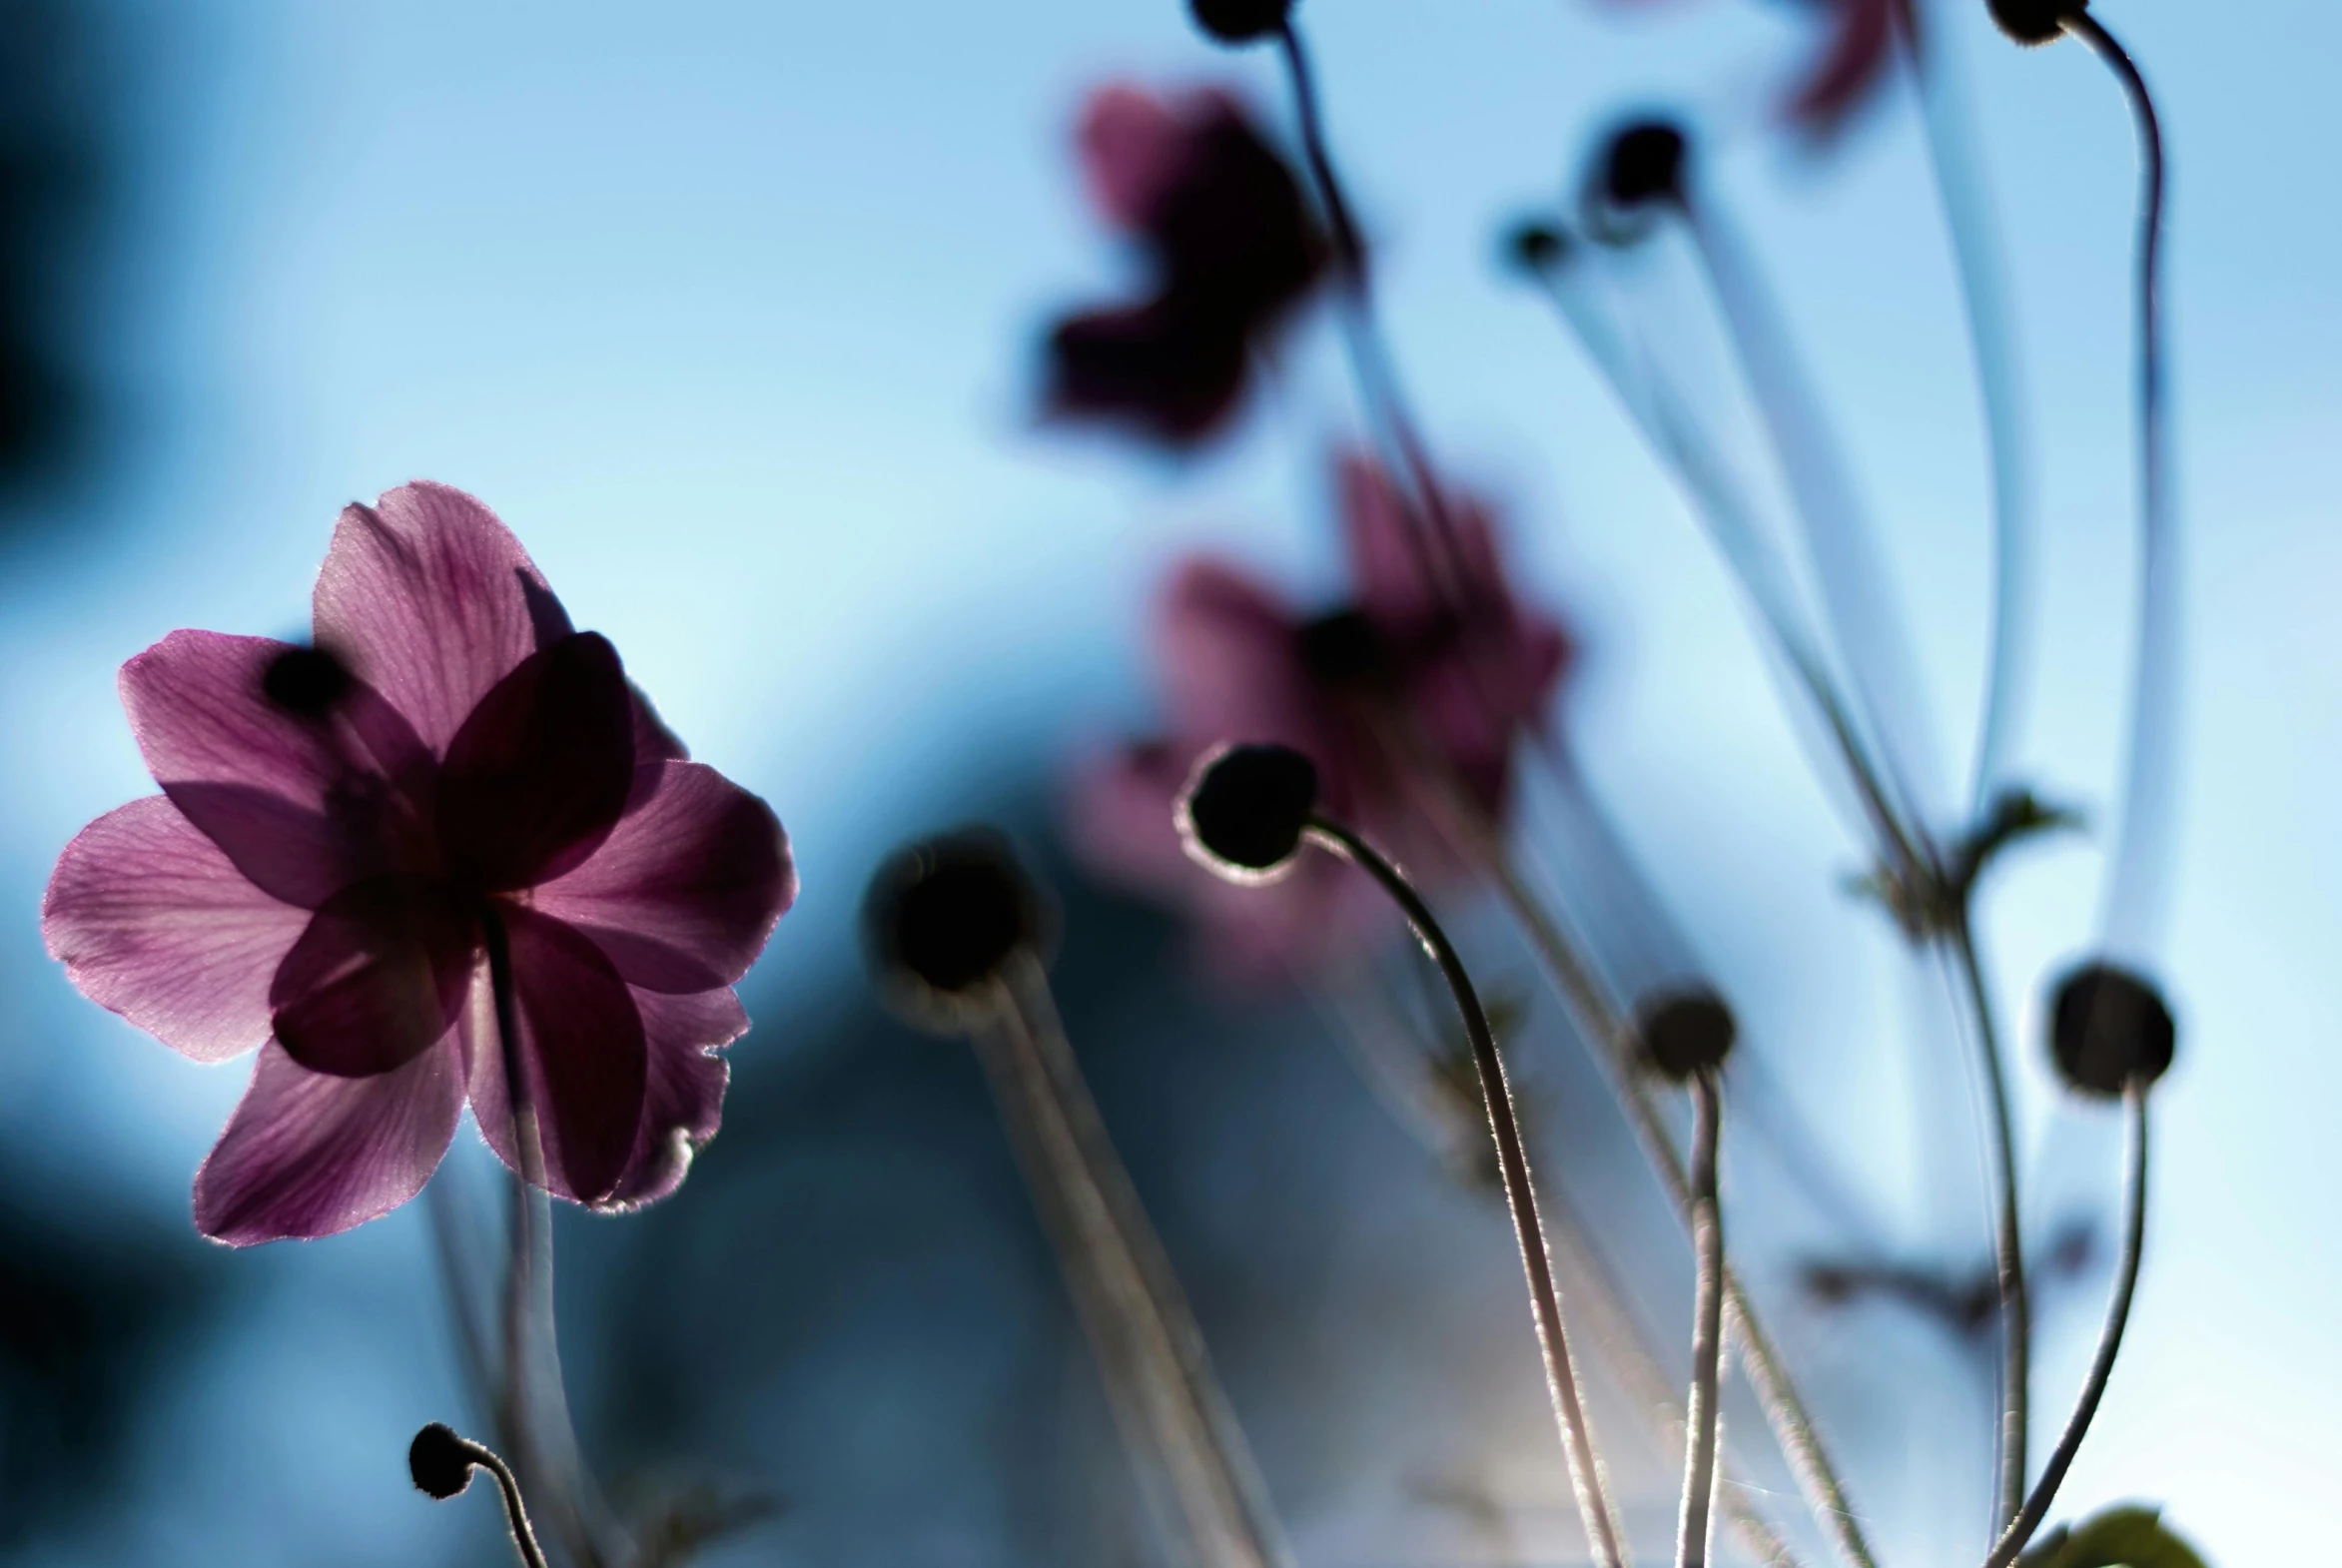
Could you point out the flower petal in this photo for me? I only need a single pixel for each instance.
(309, 1153)
(152, 920)
(1230, 652)
(302, 798)
(685, 890)
(537, 776)
(1133, 149)
(582, 1048)
(432, 601)
(683, 1099)
(377, 979)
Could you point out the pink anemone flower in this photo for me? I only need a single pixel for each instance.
(1401, 680)
(361, 843)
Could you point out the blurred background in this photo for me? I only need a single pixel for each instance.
(731, 312)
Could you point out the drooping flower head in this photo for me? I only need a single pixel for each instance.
(1406, 678)
(1231, 245)
(349, 831)
(1857, 51)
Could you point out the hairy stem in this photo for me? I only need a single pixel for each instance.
(1699, 1471)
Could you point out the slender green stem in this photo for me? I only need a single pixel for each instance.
(2008, 1248)
(1158, 1374)
(1512, 1159)
(2036, 1506)
(1699, 1470)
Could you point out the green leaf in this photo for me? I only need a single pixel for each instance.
(2131, 1536)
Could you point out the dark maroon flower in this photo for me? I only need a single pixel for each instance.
(1233, 247)
(1853, 60)
(343, 826)
(1402, 677)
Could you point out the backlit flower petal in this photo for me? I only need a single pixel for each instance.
(1229, 651)
(685, 890)
(304, 800)
(581, 1045)
(309, 1154)
(683, 1099)
(538, 774)
(432, 601)
(378, 977)
(1132, 149)
(152, 920)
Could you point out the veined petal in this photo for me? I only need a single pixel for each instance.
(683, 1097)
(377, 978)
(582, 1049)
(304, 798)
(541, 769)
(152, 920)
(685, 890)
(309, 1155)
(432, 601)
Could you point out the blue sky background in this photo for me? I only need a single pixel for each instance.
(728, 308)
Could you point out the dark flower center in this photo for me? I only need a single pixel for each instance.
(308, 682)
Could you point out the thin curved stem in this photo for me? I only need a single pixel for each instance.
(1699, 1471)
(2135, 889)
(2008, 1245)
(1158, 1379)
(2078, 1425)
(508, 1487)
(1586, 1479)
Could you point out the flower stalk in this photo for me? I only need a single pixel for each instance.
(1701, 1418)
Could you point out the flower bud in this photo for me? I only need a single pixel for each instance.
(2107, 1027)
(1683, 1032)
(307, 682)
(1644, 164)
(2036, 22)
(943, 918)
(1240, 21)
(1344, 649)
(440, 1461)
(1245, 808)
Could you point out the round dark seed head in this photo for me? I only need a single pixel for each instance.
(1344, 649)
(1535, 248)
(943, 918)
(1240, 21)
(306, 682)
(1244, 809)
(1682, 1032)
(2107, 1027)
(2036, 22)
(440, 1461)
(1643, 163)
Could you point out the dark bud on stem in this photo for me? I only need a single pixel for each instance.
(307, 682)
(1244, 809)
(2036, 22)
(943, 918)
(1535, 248)
(1240, 21)
(1644, 164)
(440, 1461)
(1682, 1034)
(2108, 1025)
(1344, 650)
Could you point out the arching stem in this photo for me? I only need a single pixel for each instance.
(1699, 1471)
(1512, 1162)
(508, 1487)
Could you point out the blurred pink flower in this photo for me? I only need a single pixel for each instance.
(1852, 62)
(344, 829)
(1232, 246)
(1463, 676)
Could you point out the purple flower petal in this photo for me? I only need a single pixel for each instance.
(377, 979)
(304, 800)
(432, 601)
(152, 920)
(537, 776)
(653, 741)
(685, 890)
(309, 1154)
(683, 1100)
(582, 1048)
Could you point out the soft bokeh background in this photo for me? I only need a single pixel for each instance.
(728, 310)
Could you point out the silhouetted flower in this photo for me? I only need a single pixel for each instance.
(1404, 676)
(1853, 60)
(344, 831)
(1234, 250)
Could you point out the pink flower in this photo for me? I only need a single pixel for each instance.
(345, 831)
(1853, 60)
(1233, 249)
(1365, 691)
